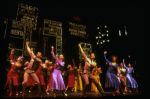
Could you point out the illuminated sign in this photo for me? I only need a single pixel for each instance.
(77, 29)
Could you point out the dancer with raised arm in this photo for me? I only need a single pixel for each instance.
(121, 74)
(111, 80)
(13, 73)
(130, 81)
(87, 73)
(57, 82)
(40, 75)
(71, 76)
(30, 70)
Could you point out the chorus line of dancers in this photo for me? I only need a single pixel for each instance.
(34, 75)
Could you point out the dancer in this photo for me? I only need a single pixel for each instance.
(89, 64)
(30, 82)
(96, 71)
(30, 70)
(130, 81)
(13, 73)
(57, 82)
(49, 75)
(78, 79)
(71, 76)
(121, 74)
(40, 75)
(111, 80)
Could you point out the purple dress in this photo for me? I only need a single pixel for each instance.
(130, 81)
(111, 79)
(57, 82)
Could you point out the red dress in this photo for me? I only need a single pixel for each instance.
(13, 74)
(71, 77)
(40, 75)
(30, 82)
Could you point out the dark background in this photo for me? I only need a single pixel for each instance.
(115, 15)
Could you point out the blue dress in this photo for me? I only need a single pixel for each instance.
(57, 82)
(130, 81)
(111, 79)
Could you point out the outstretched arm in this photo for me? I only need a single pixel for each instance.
(12, 52)
(52, 52)
(29, 50)
(73, 64)
(124, 64)
(106, 58)
(83, 53)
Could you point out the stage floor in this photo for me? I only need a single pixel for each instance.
(75, 95)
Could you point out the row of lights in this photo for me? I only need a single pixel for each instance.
(102, 42)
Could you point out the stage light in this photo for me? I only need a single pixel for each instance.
(107, 40)
(97, 27)
(101, 42)
(105, 26)
(102, 34)
(125, 33)
(107, 34)
(96, 37)
(107, 31)
(119, 32)
(97, 43)
(99, 32)
(104, 41)
(100, 37)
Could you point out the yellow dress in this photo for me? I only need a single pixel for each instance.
(78, 80)
(96, 73)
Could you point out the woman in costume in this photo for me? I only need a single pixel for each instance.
(121, 74)
(57, 82)
(111, 80)
(49, 77)
(130, 81)
(96, 71)
(89, 64)
(79, 78)
(71, 76)
(13, 73)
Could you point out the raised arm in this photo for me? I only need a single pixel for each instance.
(52, 52)
(73, 64)
(106, 58)
(29, 50)
(86, 58)
(12, 52)
(124, 64)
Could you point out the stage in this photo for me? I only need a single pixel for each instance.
(77, 95)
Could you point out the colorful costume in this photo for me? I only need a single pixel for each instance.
(57, 82)
(130, 81)
(40, 75)
(96, 73)
(79, 79)
(49, 74)
(71, 77)
(13, 73)
(13, 76)
(121, 74)
(111, 78)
